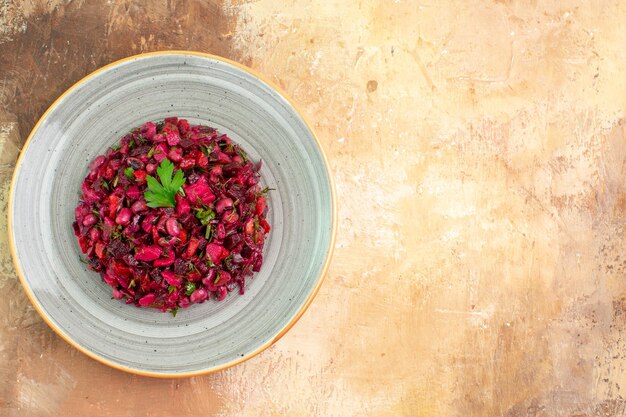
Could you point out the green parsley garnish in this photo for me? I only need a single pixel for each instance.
(190, 287)
(130, 173)
(174, 311)
(264, 191)
(205, 215)
(151, 152)
(162, 194)
(115, 147)
(171, 289)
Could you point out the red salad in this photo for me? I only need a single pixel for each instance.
(173, 215)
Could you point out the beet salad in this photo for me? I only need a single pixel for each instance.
(172, 215)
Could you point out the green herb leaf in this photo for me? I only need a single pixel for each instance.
(265, 191)
(115, 147)
(208, 233)
(190, 287)
(174, 311)
(80, 258)
(151, 152)
(206, 150)
(243, 155)
(171, 289)
(217, 279)
(162, 194)
(130, 173)
(205, 215)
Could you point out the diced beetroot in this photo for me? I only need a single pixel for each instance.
(110, 279)
(209, 279)
(173, 138)
(148, 253)
(182, 205)
(89, 220)
(223, 158)
(183, 236)
(172, 227)
(160, 152)
(202, 160)
(265, 225)
(114, 204)
(163, 262)
(199, 295)
(183, 126)
(223, 204)
(89, 195)
(199, 193)
(123, 216)
(94, 234)
(259, 208)
(140, 176)
(175, 155)
(146, 224)
(221, 231)
(133, 192)
(83, 243)
(222, 292)
(158, 138)
(187, 163)
(100, 247)
(224, 278)
(215, 173)
(216, 252)
(97, 163)
(192, 247)
(147, 299)
(193, 276)
(148, 130)
(248, 227)
(150, 169)
(230, 216)
(139, 206)
(171, 278)
(217, 225)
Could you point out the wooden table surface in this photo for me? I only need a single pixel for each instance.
(479, 153)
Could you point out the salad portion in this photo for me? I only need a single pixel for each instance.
(173, 215)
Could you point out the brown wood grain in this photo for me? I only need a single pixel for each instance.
(479, 152)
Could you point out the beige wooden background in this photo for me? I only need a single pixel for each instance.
(479, 155)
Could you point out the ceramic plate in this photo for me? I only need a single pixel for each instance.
(91, 116)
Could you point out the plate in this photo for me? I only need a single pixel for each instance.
(94, 114)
